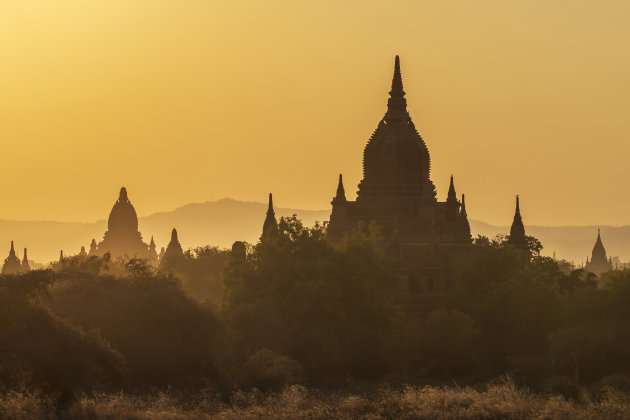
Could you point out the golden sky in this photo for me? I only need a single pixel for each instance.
(186, 101)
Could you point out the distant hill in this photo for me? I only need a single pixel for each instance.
(224, 221)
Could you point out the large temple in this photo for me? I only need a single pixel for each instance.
(599, 263)
(122, 238)
(426, 236)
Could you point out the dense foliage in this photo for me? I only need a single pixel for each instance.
(295, 308)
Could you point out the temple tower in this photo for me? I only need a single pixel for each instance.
(270, 219)
(425, 237)
(517, 236)
(122, 238)
(153, 255)
(11, 263)
(174, 256)
(26, 267)
(599, 263)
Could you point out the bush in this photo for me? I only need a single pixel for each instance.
(450, 342)
(163, 334)
(266, 369)
(40, 351)
(324, 306)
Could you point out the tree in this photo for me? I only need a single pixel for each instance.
(324, 306)
(40, 351)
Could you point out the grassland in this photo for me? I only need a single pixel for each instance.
(499, 401)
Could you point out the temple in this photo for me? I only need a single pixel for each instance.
(122, 238)
(153, 255)
(26, 267)
(12, 263)
(599, 263)
(425, 236)
(174, 255)
(270, 219)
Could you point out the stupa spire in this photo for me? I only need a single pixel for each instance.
(25, 265)
(396, 104)
(270, 220)
(341, 192)
(451, 196)
(11, 263)
(173, 257)
(122, 197)
(517, 231)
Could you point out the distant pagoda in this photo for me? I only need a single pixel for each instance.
(425, 236)
(122, 238)
(599, 263)
(12, 263)
(270, 220)
(26, 267)
(173, 257)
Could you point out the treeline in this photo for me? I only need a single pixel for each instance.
(295, 308)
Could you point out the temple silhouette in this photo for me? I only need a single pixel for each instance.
(427, 237)
(599, 263)
(122, 238)
(12, 263)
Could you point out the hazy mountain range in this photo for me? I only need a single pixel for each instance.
(224, 221)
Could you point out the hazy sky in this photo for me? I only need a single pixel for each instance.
(187, 101)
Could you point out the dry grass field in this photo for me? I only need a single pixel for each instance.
(502, 401)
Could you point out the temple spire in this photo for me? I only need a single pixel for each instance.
(397, 85)
(122, 197)
(451, 196)
(25, 265)
(173, 258)
(153, 255)
(341, 192)
(270, 220)
(396, 104)
(12, 263)
(517, 231)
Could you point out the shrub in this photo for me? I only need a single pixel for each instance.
(164, 335)
(266, 369)
(450, 341)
